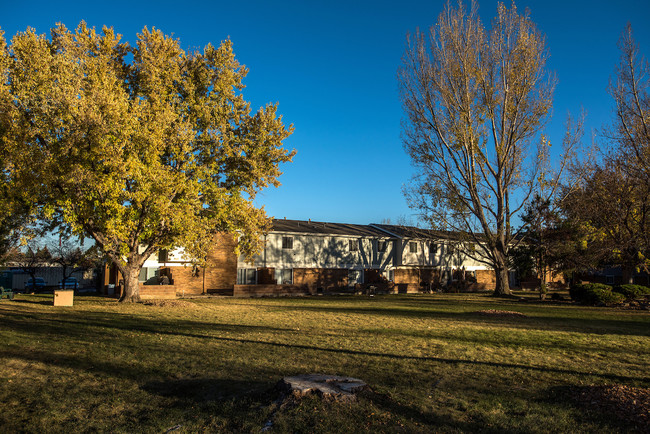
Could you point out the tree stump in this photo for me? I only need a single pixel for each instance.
(327, 386)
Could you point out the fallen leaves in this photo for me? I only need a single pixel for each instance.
(504, 313)
(630, 404)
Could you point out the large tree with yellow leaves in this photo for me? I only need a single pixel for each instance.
(139, 147)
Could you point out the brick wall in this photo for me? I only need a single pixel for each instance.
(329, 279)
(407, 280)
(220, 273)
(485, 280)
(269, 290)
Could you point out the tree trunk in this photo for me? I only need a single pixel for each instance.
(131, 290)
(628, 273)
(502, 286)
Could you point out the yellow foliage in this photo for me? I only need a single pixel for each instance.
(158, 151)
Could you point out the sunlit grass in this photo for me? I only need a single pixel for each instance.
(433, 363)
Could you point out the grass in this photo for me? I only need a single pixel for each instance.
(206, 365)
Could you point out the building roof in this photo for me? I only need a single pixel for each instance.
(323, 228)
(401, 231)
(372, 230)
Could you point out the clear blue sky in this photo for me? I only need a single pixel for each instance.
(331, 66)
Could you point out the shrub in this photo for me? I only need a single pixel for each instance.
(598, 296)
(594, 294)
(578, 292)
(631, 291)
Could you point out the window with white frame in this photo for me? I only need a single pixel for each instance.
(287, 243)
(284, 276)
(147, 273)
(413, 247)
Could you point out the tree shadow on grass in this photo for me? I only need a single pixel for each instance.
(430, 420)
(588, 407)
(93, 326)
(202, 390)
(436, 359)
(49, 302)
(583, 325)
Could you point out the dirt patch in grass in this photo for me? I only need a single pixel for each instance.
(169, 303)
(502, 313)
(630, 404)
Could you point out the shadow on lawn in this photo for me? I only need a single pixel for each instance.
(203, 390)
(47, 302)
(429, 419)
(590, 405)
(430, 359)
(93, 327)
(107, 367)
(582, 325)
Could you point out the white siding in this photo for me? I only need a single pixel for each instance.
(317, 251)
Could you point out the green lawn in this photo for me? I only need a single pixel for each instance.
(205, 365)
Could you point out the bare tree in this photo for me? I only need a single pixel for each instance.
(30, 260)
(631, 128)
(71, 258)
(475, 103)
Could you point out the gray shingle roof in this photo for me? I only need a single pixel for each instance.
(413, 232)
(373, 230)
(323, 228)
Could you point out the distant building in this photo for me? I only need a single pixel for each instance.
(305, 257)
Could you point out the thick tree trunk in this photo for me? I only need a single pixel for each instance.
(131, 290)
(628, 273)
(502, 286)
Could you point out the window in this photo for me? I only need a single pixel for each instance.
(413, 247)
(609, 280)
(147, 273)
(382, 246)
(287, 243)
(246, 276)
(163, 255)
(433, 249)
(285, 276)
(353, 245)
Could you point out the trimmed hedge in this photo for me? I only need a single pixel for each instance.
(632, 291)
(595, 294)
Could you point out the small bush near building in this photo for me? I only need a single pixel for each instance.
(632, 291)
(595, 294)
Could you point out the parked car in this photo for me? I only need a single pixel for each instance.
(35, 285)
(69, 283)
